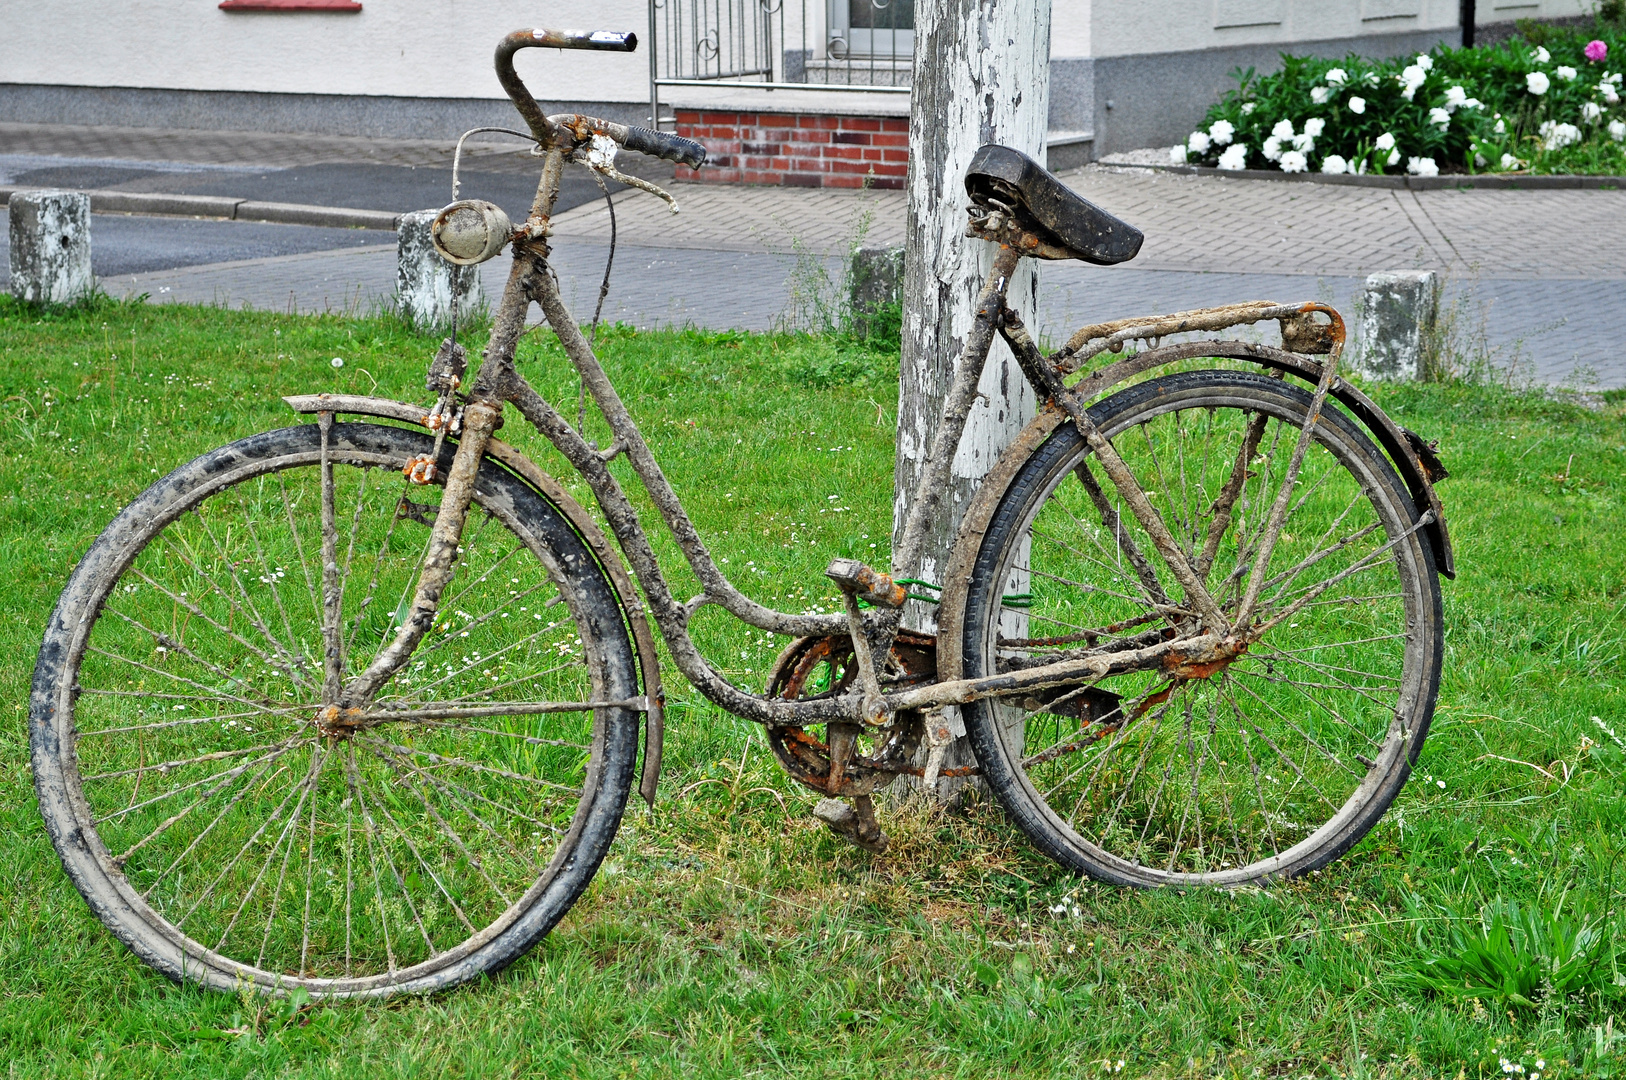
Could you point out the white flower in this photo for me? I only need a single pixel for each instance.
(1320, 94)
(1537, 82)
(1283, 130)
(1177, 154)
(1314, 126)
(1337, 77)
(1457, 98)
(1511, 162)
(1591, 111)
(1197, 142)
(1614, 78)
(1542, 55)
(1334, 165)
(1386, 141)
(1501, 126)
(1422, 166)
(1425, 61)
(1410, 79)
(1234, 158)
(1556, 136)
(1480, 161)
(1272, 149)
(1617, 130)
(1357, 105)
(1248, 107)
(337, 362)
(1565, 72)
(1293, 161)
(1440, 117)
(1372, 78)
(1222, 132)
(1394, 157)
(1610, 94)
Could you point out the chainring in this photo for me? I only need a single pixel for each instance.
(811, 668)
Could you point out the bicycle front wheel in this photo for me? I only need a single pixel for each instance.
(230, 840)
(1269, 766)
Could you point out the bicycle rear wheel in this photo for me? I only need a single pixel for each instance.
(229, 840)
(1269, 766)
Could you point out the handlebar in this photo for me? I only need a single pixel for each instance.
(663, 144)
(549, 131)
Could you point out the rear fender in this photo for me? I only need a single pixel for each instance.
(632, 606)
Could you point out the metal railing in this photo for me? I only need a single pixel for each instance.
(852, 45)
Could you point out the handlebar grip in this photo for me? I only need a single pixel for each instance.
(661, 144)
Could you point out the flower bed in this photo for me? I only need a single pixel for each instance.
(1552, 105)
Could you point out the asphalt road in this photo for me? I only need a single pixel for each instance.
(121, 245)
(399, 189)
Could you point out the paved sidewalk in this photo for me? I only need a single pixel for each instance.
(1536, 276)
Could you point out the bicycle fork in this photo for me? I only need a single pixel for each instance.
(345, 702)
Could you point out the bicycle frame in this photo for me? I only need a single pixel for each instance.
(1207, 638)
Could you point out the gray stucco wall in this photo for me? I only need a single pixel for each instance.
(1156, 99)
(319, 114)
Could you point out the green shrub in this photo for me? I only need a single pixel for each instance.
(1452, 110)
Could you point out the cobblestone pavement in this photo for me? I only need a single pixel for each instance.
(1535, 277)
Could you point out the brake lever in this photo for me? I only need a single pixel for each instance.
(599, 155)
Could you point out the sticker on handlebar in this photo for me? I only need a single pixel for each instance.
(609, 35)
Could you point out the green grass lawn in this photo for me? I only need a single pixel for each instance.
(729, 934)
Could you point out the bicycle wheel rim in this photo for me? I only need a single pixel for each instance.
(407, 799)
(1112, 819)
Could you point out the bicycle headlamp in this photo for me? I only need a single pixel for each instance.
(470, 231)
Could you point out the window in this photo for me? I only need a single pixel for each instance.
(289, 5)
(881, 28)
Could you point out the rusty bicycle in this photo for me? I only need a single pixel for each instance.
(356, 706)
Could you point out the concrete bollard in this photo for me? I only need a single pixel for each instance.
(425, 282)
(1395, 318)
(876, 279)
(50, 247)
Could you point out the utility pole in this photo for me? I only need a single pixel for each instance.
(981, 74)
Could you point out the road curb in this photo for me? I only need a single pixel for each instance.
(1489, 181)
(222, 208)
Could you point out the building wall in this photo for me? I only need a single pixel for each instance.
(1139, 27)
(1135, 72)
(391, 48)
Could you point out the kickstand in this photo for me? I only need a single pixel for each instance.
(855, 823)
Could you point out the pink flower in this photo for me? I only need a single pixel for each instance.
(1596, 51)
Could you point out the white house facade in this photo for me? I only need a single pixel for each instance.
(1124, 73)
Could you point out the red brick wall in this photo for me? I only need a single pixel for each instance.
(797, 151)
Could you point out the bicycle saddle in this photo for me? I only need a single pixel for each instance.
(1076, 225)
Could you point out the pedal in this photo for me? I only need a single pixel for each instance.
(856, 824)
(866, 583)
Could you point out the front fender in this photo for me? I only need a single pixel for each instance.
(609, 558)
(1401, 445)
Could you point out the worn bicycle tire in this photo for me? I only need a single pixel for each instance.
(67, 814)
(1002, 765)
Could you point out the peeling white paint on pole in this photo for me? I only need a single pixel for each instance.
(981, 75)
(424, 281)
(50, 246)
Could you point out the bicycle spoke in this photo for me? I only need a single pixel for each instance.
(354, 787)
(456, 837)
(332, 584)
